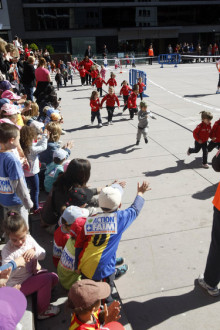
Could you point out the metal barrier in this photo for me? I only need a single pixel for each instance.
(169, 59)
(134, 75)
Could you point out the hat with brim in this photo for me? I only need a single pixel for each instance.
(12, 307)
(110, 197)
(38, 125)
(85, 293)
(60, 154)
(5, 85)
(10, 95)
(9, 109)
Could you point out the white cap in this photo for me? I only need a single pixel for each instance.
(110, 197)
(60, 153)
(71, 213)
(37, 124)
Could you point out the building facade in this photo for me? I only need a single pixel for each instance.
(70, 26)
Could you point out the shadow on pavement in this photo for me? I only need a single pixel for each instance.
(124, 150)
(179, 167)
(206, 193)
(199, 95)
(148, 314)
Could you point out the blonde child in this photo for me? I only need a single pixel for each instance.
(112, 82)
(141, 87)
(143, 122)
(99, 82)
(103, 72)
(95, 107)
(201, 135)
(31, 150)
(110, 99)
(31, 279)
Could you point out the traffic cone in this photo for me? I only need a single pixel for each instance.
(120, 68)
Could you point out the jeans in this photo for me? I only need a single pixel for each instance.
(212, 270)
(88, 79)
(29, 91)
(33, 185)
(198, 147)
(110, 112)
(96, 114)
(83, 79)
(125, 97)
(99, 90)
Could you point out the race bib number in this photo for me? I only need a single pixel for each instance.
(101, 224)
(5, 186)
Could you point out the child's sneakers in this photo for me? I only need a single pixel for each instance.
(92, 122)
(120, 271)
(51, 311)
(38, 211)
(205, 165)
(100, 125)
(119, 261)
(137, 143)
(146, 140)
(214, 292)
(111, 123)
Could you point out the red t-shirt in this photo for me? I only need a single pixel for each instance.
(95, 105)
(41, 74)
(125, 90)
(141, 87)
(112, 82)
(60, 239)
(110, 100)
(99, 82)
(215, 131)
(132, 101)
(202, 132)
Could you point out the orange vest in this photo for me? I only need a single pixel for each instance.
(150, 52)
(216, 200)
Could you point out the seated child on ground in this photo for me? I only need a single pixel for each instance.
(84, 298)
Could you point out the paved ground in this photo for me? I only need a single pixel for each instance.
(166, 247)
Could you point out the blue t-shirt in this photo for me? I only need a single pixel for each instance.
(10, 169)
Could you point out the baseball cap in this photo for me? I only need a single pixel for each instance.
(79, 196)
(85, 293)
(12, 307)
(10, 95)
(110, 197)
(10, 109)
(71, 213)
(3, 101)
(50, 111)
(143, 104)
(38, 125)
(5, 85)
(60, 153)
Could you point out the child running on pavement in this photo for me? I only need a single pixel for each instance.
(125, 92)
(141, 87)
(110, 99)
(112, 82)
(30, 277)
(95, 108)
(215, 136)
(99, 82)
(103, 72)
(82, 72)
(132, 101)
(96, 253)
(143, 122)
(201, 134)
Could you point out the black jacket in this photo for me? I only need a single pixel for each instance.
(29, 75)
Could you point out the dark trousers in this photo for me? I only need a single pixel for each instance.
(99, 90)
(110, 113)
(59, 84)
(125, 97)
(96, 115)
(213, 145)
(150, 61)
(198, 147)
(33, 185)
(83, 79)
(132, 111)
(141, 96)
(93, 79)
(30, 92)
(88, 79)
(212, 270)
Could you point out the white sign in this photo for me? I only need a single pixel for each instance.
(101, 224)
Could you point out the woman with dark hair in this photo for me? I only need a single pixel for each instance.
(72, 182)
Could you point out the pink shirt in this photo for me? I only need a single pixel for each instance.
(41, 74)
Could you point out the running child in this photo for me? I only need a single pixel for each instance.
(99, 82)
(93, 73)
(110, 99)
(141, 87)
(215, 136)
(143, 122)
(58, 79)
(125, 92)
(82, 72)
(132, 101)
(30, 277)
(103, 72)
(201, 135)
(112, 82)
(95, 107)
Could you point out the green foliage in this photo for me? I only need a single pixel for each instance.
(33, 46)
(50, 49)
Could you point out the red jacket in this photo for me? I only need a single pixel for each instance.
(95, 105)
(202, 132)
(132, 101)
(112, 82)
(110, 100)
(99, 82)
(141, 87)
(215, 131)
(82, 72)
(93, 73)
(87, 65)
(125, 90)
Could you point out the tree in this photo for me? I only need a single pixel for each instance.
(50, 49)
(33, 46)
